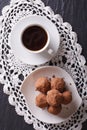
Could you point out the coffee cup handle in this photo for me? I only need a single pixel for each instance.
(50, 51)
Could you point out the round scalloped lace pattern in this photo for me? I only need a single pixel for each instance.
(13, 71)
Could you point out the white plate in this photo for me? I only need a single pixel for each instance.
(28, 90)
(21, 53)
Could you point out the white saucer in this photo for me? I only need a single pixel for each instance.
(21, 53)
(28, 90)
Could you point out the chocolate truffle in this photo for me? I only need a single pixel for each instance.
(41, 101)
(67, 97)
(54, 97)
(42, 85)
(54, 110)
(58, 83)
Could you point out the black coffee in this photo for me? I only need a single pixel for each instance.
(34, 38)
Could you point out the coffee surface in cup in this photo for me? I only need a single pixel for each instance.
(34, 38)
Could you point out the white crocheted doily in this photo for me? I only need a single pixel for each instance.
(13, 71)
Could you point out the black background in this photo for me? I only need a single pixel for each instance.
(72, 11)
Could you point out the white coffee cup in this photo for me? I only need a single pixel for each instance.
(45, 48)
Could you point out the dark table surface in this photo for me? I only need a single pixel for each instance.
(72, 11)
